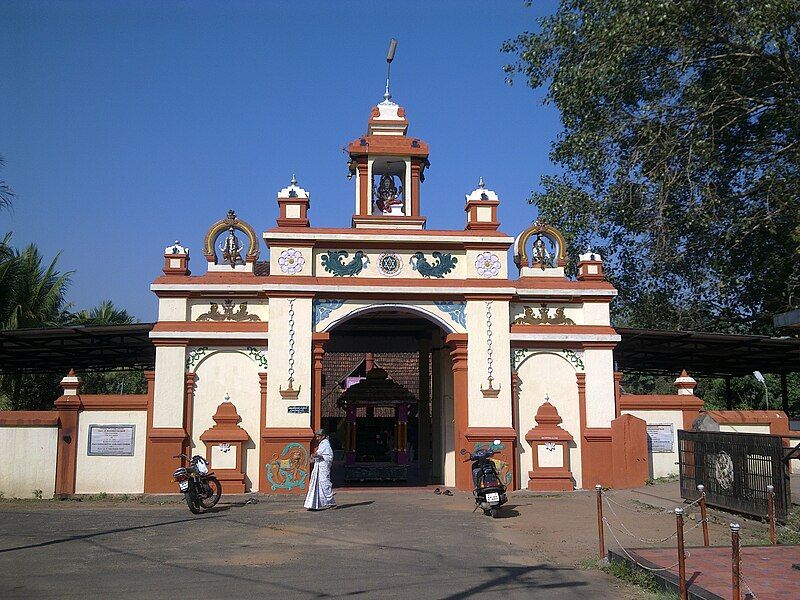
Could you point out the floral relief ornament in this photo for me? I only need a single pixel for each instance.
(291, 261)
(487, 264)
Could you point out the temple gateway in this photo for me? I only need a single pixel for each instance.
(406, 343)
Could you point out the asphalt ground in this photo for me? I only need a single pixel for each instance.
(376, 544)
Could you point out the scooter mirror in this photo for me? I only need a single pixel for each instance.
(497, 442)
(463, 451)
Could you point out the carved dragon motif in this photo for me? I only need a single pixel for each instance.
(443, 265)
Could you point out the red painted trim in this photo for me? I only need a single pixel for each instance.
(212, 326)
(29, 418)
(114, 402)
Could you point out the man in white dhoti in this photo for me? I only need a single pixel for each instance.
(320, 491)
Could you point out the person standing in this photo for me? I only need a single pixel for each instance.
(320, 491)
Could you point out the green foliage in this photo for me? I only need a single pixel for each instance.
(680, 154)
(33, 294)
(6, 193)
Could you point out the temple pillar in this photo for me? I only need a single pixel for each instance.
(67, 406)
(458, 352)
(350, 446)
(318, 341)
(424, 411)
(401, 417)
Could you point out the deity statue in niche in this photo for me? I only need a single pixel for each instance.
(387, 197)
(541, 255)
(231, 248)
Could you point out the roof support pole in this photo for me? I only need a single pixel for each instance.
(785, 394)
(728, 395)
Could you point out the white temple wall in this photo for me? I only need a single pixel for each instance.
(278, 355)
(228, 371)
(28, 461)
(600, 401)
(169, 389)
(172, 309)
(110, 474)
(547, 374)
(488, 412)
(596, 313)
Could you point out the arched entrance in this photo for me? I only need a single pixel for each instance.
(409, 344)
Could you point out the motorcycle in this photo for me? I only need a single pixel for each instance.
(200, 488)
(489, 492)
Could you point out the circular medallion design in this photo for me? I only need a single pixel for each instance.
(390, 264)
(723, 470)
(487, 264)
(291, 261)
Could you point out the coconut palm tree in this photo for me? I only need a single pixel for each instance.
(104, 313)
(6, 193)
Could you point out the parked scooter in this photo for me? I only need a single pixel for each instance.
(489, 492)
(199, 487)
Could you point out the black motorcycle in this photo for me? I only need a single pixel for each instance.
(199, 487)
(489, 492)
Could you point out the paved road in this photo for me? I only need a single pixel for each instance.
(375, 545)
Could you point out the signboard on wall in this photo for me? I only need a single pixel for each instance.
(298, 410)
(661, 437)
(111, 440)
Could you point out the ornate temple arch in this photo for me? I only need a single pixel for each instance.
(362, 311)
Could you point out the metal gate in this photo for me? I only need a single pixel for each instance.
(735, 469)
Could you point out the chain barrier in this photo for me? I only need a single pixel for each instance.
(632, 559)
(628, 532)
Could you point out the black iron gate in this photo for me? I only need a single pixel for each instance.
(735, 469)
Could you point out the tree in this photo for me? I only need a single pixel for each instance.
(680, 153)
(6, 193)
(104, 313)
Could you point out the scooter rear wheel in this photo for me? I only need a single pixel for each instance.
(495, 512)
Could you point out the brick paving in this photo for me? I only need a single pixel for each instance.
(768, 570)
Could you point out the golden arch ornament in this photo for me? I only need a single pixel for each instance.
(540, 228)
(231, 220)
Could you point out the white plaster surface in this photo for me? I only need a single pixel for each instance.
(596, 313)
(662, 464)
(488, 412)
(550, 458)
(111, 474)
(292, 211)
(600, 402)
(169, 386)
(742, 428)
(277, 415)
(228, 371)
(223, 460)
(544, 373)
(28, 461)
(172, 309)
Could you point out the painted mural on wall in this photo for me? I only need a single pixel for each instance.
(445, 262)
(333, 262)
(289, 468)
(504, 468)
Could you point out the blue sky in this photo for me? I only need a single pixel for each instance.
(127, 125)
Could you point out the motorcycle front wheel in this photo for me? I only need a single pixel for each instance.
(194, 503)
(216, 491)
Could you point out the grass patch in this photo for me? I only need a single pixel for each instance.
(666, 479)
(635, 577)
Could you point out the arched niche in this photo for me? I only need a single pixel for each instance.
(540, 231)
(223, 225)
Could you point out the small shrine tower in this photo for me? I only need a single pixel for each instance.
(388, 167)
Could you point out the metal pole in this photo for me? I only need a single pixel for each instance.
(681, 555)
(785, 395)
(771, 497)
(600, 533)
(735, 575)
(703, 514)
(728, 395)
